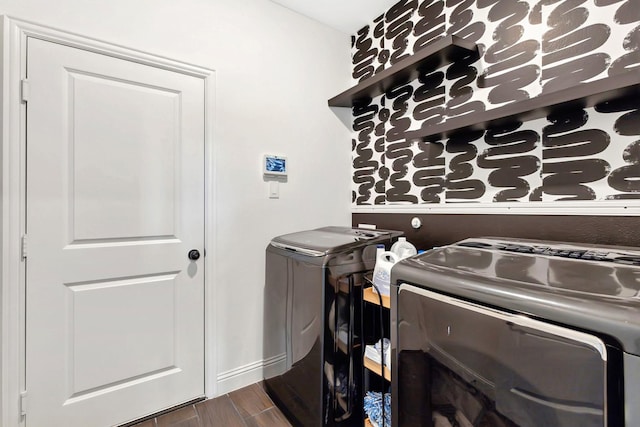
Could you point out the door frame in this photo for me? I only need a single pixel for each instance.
(14, 34)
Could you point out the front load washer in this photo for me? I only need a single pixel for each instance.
(517, 333)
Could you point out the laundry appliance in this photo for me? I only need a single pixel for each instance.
(516, 333)
(312, 345)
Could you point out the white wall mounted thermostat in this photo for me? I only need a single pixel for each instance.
(274, 165)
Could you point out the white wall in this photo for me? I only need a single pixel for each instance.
(275, 70)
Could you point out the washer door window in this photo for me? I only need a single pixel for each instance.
(480, 366)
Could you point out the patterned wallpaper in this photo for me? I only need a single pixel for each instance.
(525, 48)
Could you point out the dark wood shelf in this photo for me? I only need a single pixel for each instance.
(440, 52)
(583, 95)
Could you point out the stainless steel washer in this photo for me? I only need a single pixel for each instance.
(508, 333)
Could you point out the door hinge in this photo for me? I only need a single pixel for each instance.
(23, 247)
(24, 90)
(23, 403)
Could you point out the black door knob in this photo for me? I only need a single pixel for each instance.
(194, 254)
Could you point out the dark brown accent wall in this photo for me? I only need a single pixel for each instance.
(442, 229)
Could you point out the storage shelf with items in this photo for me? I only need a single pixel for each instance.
(376, 331)
(372, 363)
(375, 324)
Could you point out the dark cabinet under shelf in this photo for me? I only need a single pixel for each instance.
(440, 52)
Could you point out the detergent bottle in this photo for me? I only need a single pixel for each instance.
(382, 270)
(403, 249)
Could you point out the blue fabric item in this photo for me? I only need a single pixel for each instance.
(373, 408)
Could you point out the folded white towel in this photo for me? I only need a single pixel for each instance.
(373, 352)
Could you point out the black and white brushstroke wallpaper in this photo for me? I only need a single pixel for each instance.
(526, 48)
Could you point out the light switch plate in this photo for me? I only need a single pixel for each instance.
(274, 190)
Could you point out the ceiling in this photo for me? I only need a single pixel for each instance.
(347, 16)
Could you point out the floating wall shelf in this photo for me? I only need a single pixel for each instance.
(583, 95)
(440, 52)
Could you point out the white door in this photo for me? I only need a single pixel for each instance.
(115, 202)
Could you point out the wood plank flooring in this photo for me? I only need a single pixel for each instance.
(247, 407)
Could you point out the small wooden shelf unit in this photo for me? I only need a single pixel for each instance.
(371, 296)
(376, 368)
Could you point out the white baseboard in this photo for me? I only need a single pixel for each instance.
(250, 373)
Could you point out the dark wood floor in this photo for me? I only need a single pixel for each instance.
(247, 407)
